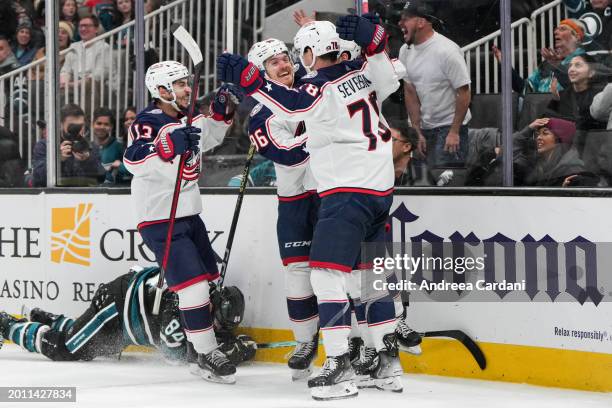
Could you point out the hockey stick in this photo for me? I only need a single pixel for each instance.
(230, 237)
(466, 340)
(192, 48)
(459, 335)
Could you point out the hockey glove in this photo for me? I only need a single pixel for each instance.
(226, 99)
(178, 142)
(371, 37)
(237, 70)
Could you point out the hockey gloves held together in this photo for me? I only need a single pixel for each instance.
(178, 142)
(226, 99)
(237, 70)
(371, 37)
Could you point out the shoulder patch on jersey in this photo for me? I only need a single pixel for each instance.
(155, 111)
(256, 109)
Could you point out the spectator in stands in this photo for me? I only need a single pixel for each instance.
(8, 19)
(552, 162)
(96, 55)
(104, 10)
(404, 139)
(111, 150)
(12, 166)
(124, 12)
(96, 65)
(69, 14)
(80, 162)
(37, 177)
(597, 18)
(8, 62)
(568, 37)
(127, 118)
(64, 36)
(23, 46)
(574, 103)
(436, 88)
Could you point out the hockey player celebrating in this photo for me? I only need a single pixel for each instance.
(159, 137)
(120, 315)
(350, 157)
(282, 142)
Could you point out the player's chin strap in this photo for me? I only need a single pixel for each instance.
(172, 102)
(312, 64)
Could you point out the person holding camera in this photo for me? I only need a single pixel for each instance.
(80, 162)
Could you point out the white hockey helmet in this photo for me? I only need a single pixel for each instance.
(261, 51)
(351, 47)
(320, 36)
(164, 74)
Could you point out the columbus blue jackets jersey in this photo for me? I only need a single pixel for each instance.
(282, 142)
(154, 178)
(348, 141)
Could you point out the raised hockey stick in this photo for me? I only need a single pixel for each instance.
(232, 231)
(459, 335)
(192, 48)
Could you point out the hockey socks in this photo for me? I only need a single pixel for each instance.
(194, 306)
(334, 310)
(28, 335)
(301, 302)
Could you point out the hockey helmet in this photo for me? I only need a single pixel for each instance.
(320, 36)
(164, 74)
(351, 48)
(262, 50)
(228, 307)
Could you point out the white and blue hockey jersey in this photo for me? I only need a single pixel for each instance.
(348, 141)
(154, 178)
(283, 142)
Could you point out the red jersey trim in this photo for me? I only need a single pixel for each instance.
(356, 190)
(330, 265)
(294, 259)
(295, 197)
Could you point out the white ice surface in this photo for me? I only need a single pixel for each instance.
(143, 380)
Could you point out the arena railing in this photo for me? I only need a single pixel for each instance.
(487, 74)
(22, 91)
(529, 35)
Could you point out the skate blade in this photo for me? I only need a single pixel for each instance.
(346, 389)
(209, 376)
(393, 384)
(299, 375)
(365, 381)
(414, 350)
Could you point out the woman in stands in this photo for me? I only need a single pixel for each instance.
(587, 80)
(69, 14)
(549, 157)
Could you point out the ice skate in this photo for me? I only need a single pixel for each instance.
(302, 358)
(408, 339)
(387, 375)
(335, 381)
(215, 367)
(364, 367)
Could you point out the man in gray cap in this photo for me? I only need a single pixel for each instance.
(436, 87)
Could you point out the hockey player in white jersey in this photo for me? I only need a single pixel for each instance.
(282, 142)
(350, 157)
(158, 137)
